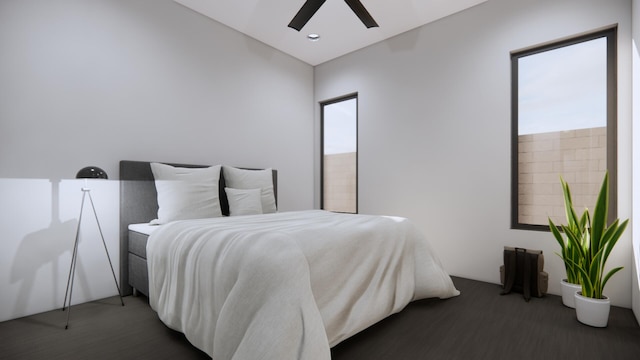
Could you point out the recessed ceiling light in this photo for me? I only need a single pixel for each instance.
(313, 37)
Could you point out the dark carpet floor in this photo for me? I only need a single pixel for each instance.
(478, 324)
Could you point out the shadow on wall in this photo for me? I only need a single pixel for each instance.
(44, 248)
(39, 223)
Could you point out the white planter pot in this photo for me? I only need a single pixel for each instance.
(592, 312)
(569, 293)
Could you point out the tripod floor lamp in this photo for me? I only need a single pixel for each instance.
(89, 172)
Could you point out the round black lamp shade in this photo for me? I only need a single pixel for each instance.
(91, 172)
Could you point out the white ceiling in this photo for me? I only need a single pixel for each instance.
(340, 30)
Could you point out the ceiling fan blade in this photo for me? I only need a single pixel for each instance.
(362, 13)
(305, 13)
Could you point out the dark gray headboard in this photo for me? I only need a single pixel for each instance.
(139, 204)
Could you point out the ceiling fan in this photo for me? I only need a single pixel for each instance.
(311, 6)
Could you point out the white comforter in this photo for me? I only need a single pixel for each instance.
(288, 285)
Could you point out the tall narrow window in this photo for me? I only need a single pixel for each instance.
(340, 154)
(563, 124)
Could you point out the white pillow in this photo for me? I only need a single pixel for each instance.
(186, 193)
(253, 179)
(244, 202)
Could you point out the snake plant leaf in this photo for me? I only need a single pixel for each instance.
(607, 277)
(585, 280)
(600, 212)
(616, 234)
(567, 252)
(556, 233)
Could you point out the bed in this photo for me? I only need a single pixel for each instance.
(284, 285)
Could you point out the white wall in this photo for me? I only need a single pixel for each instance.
(635, 278)
(93, 82)
(434, 128)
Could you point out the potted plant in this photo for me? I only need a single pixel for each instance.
(570, 254)
(592, 306)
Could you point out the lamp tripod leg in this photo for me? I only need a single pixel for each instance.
(73, 277)
(106, 250)
(71, 271)
(72, 268)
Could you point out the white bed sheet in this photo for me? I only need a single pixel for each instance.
(145, 228)
(287, 285)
